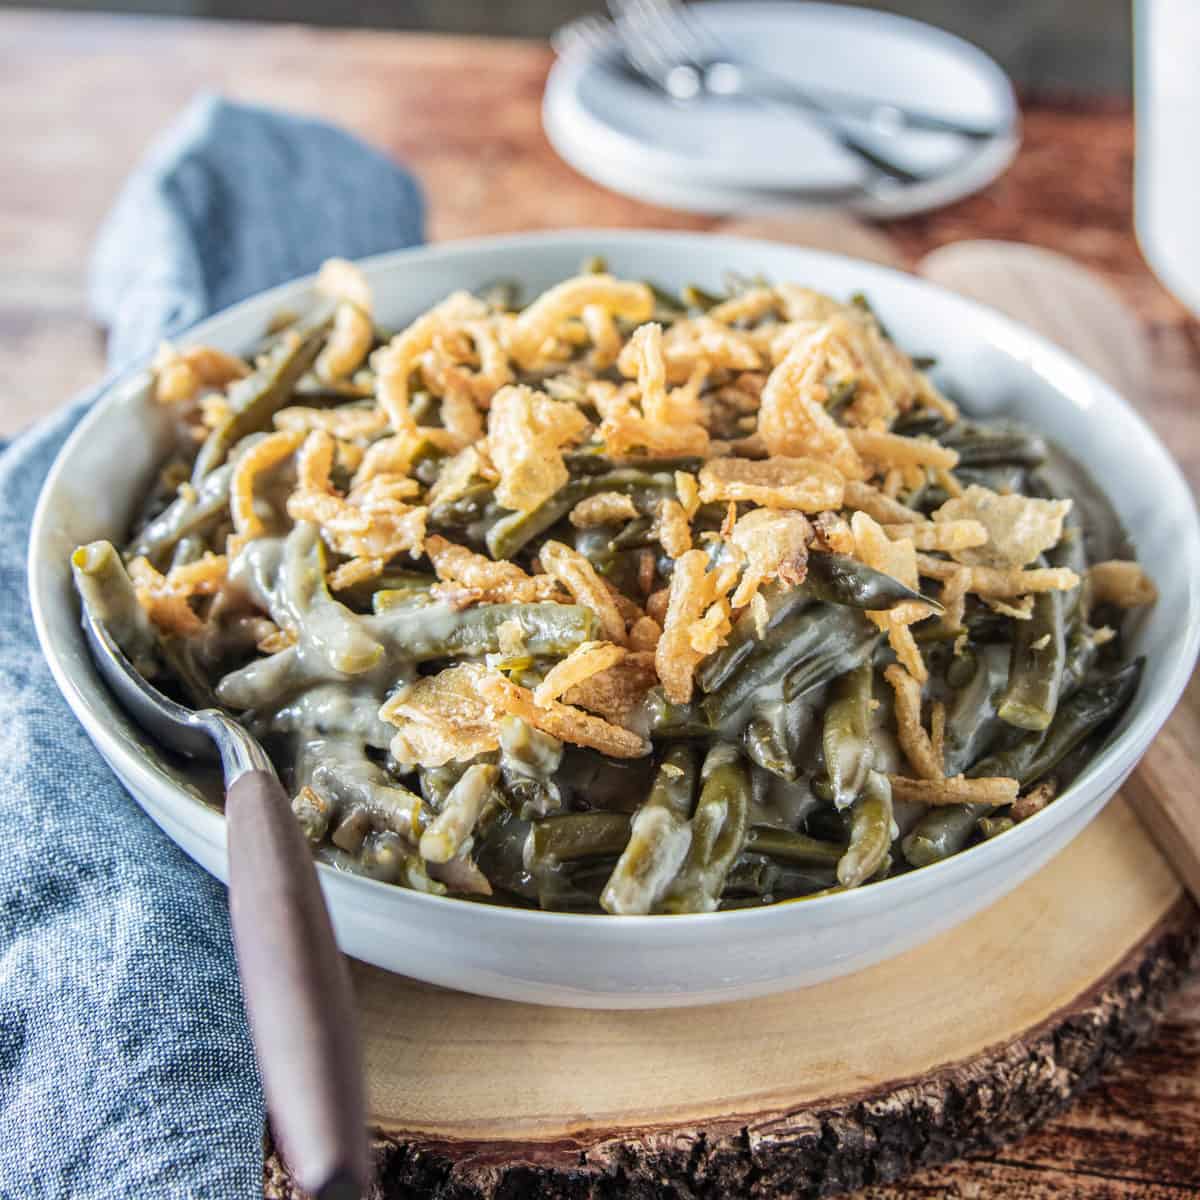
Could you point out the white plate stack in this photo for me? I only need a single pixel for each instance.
(722, 155)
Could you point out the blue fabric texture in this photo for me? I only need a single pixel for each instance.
(126, 1067)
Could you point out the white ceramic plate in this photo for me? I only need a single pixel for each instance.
(632, 962)
(717, 156)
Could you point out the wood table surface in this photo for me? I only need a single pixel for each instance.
(82, 95)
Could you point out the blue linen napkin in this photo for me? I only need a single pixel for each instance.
(126, 1067)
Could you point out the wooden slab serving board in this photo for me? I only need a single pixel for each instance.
(962, 1044)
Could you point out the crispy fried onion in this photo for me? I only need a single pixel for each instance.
(892, 450)
(604, 508)
(347, 344)
(775, 545)
(483, 579)
(442, 718)
(674, 532)
(616, 692)
(914, 741)
(459, 474)
(1122, 583)
(562, 721)
(399, 358)
(341, 422)
(668, 421)
(997, 583)
(899, 560)
(373, 521)
(263, 456)
(343, 281)
(530, 339)
(944, 536)
(180, 374)
(885, 382)
(793, 421)
(526, 435)
(1019, 528)
(166, 598)
(586, 660)
(696, 622)
(994, 790)
(579, 577)
(778, 482)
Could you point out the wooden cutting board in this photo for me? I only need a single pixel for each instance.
(960, 1045)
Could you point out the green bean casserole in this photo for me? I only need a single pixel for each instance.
(622, 601)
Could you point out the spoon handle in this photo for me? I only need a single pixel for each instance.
(297, 992)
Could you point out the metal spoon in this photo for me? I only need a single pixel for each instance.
(295, 982)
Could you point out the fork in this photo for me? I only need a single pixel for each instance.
(664, 44)
(702, 66)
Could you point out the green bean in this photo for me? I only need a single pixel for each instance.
(255, 400)
(765, 740)
(943, 831)
(921, 422)
(502, 294)
(1081, 652)
(384, 857)
(341, 777)
(796, 849)
(989, 445)
(513, 531)
(844, 650)
(439, 631)
(1036, 670)
(846, 735)
(529, 761)
(668, 720)
(665, 304)
(999, 478)
(108, 596)
(591, 462)
(193, 513)
(971, 719)
(573, 836)
(314, 813)
(781, 602)
(634, 534)
(992, 827)
(449, 833)
(464, 509)
(570, 886)
(390, 589)
(1096, 702)
(301, 600)
(840, 579)
(820, 642)
(871, 827)
(189, 549)
(697, 299)
(719, 828)
(750, 876)
(659, 840)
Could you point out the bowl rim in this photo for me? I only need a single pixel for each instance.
(986, 324)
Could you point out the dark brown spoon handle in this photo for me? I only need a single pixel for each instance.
(297, 992)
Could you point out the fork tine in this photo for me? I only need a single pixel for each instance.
(672, 25)
(641, 47)
(588, 32)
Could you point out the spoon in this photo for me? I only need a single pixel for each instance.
(294, 979)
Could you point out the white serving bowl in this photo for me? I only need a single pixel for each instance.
(644, 962)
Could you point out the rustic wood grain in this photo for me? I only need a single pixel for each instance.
(81, 97)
